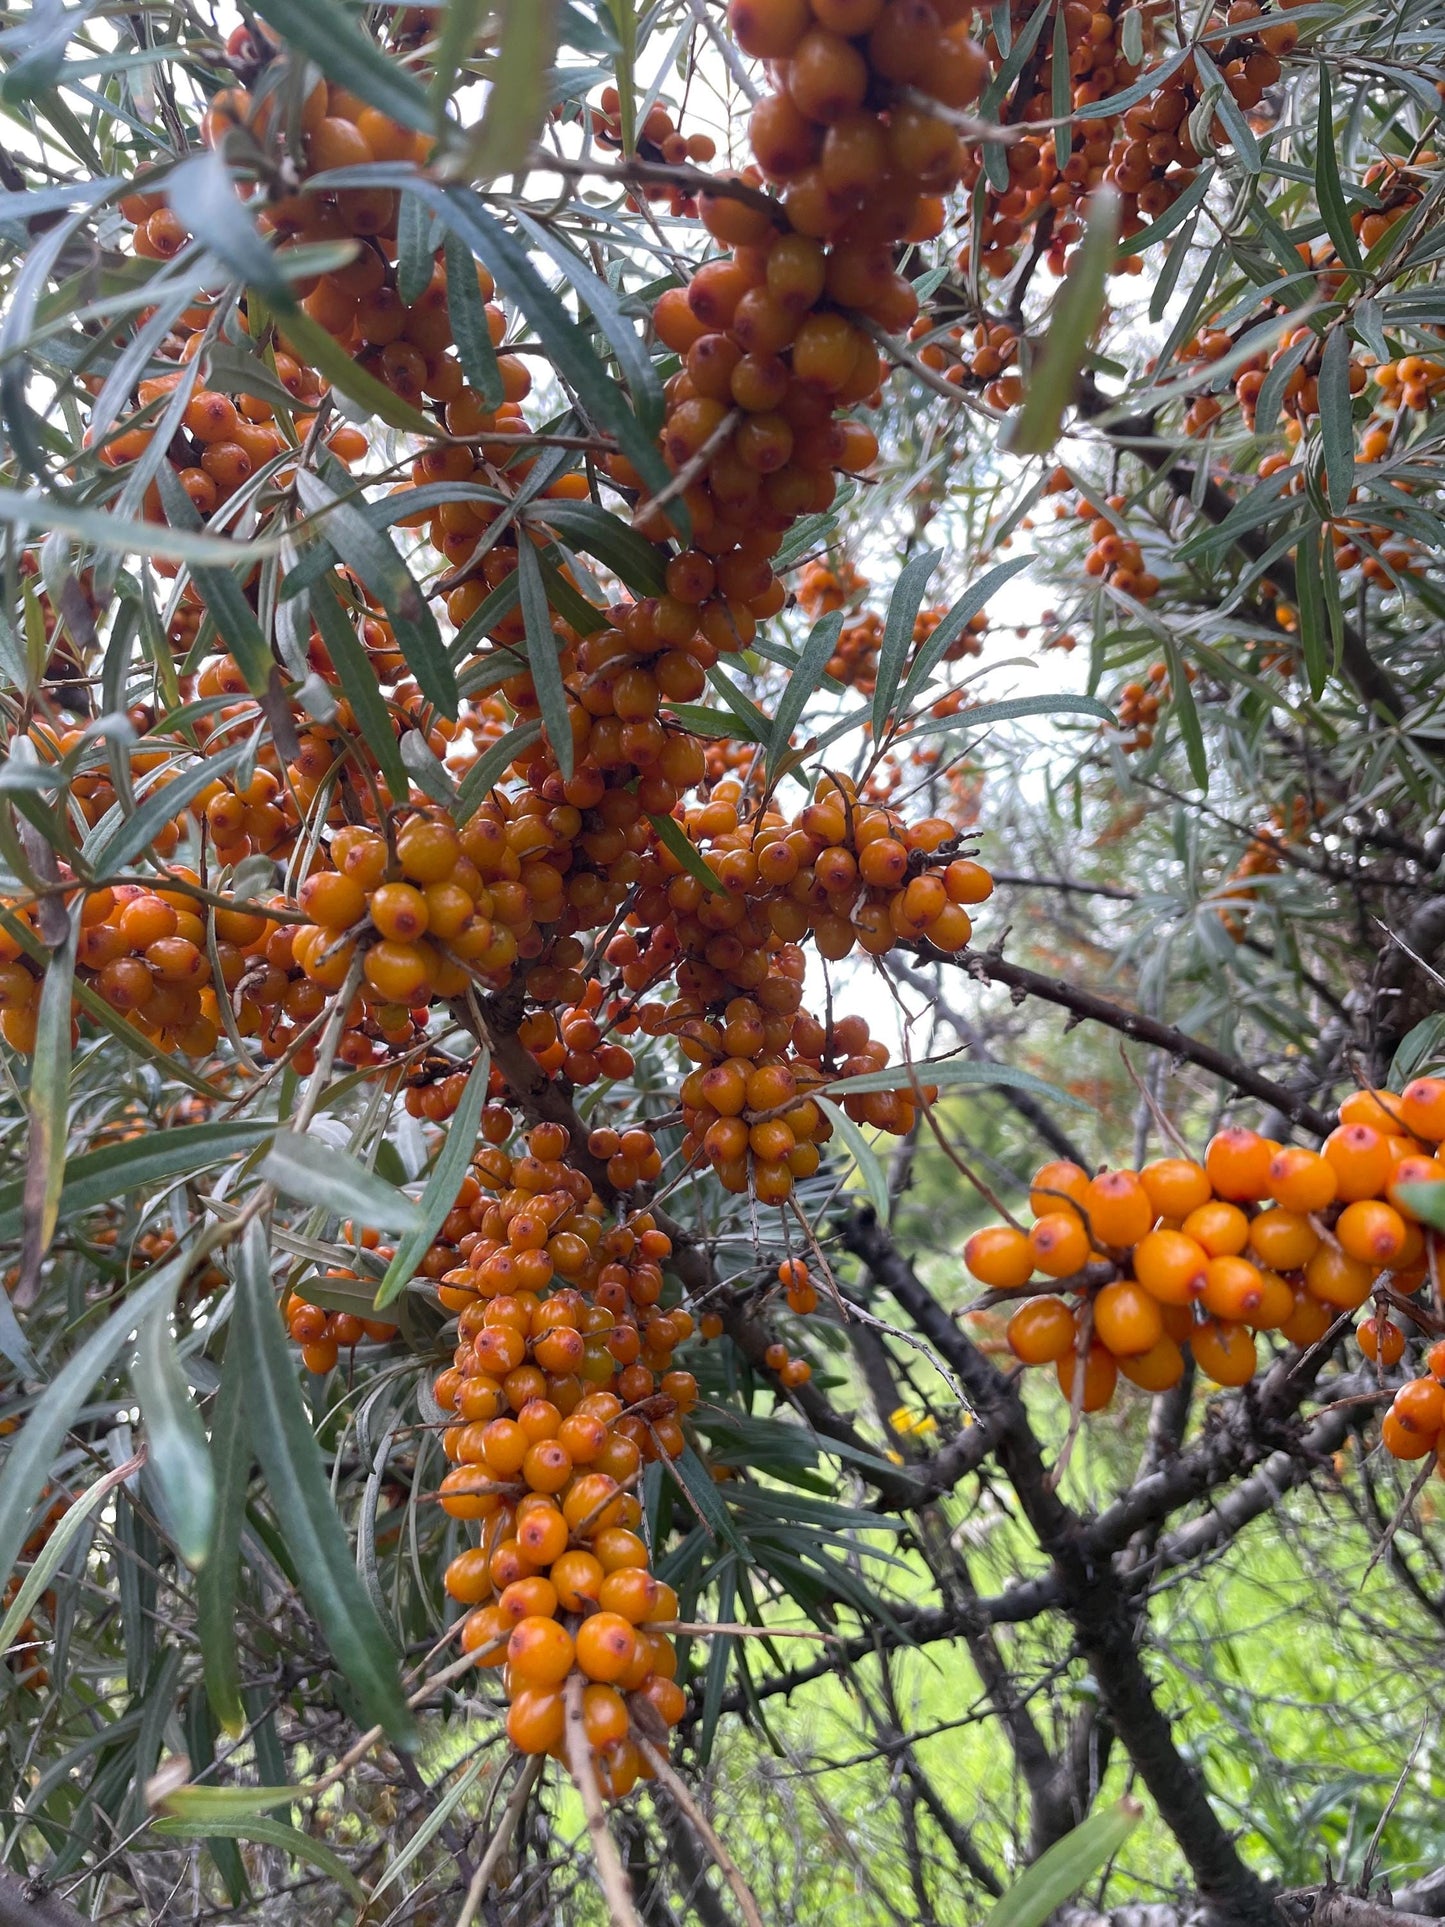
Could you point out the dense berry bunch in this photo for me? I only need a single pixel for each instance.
(562, 1388)
(1258, 1238)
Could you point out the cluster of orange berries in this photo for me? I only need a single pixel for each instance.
(561, 1390)
(981, 356)
(1264, 857)
(1414, 1426)
(323, 1335)
(658, 140)
(845, 873)
(824, 588)
(143, 951)
(1258, 1238)
(1139, 704)
(1148, 152)
(773, 335)
(861, 161)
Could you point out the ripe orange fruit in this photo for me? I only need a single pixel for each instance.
(1127, 1320)
(1000, 1257)
(1117, 1208)
(1040, 1331)
(1101, 1374)
(1171, 1266)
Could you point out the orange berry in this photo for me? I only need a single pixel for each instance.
(1060, 1243)
(1055, 1184)
(1422, 1107)
(537, 1718)
(1419, 1405)
(1383, 1111)
(1118, 1209)
(1175, 1186)
(1000, 1257)
(1381, 1339)
(1237, 1163)
(1402, 1441)
(1126, 1319)
(1361, 1160)
(1283, 1240)
(606, 1645)
(1224, 1352)
(1302, 1181)
(1101, 1374)
(1040, 1331)
(1337, 1279)
(540, 1651)
(1221, 1228)
(1233, 1289)
(1171, 1266)
(1371, 1231)
(1158, 1368)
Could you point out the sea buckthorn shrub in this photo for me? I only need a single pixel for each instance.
(508, 703)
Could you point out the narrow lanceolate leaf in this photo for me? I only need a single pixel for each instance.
(442, 1186)
(369, 551)
(1422, 1050)
(413, 256)
(517, 105)
(57, 1544)
(204, 196)
(490, 767)
(31, 1451)
(1009, 709)
(950, 1073)
(316, 1173)
(1056, 1876)
(1054, 378)
(327, 33)
(630, 556)
(674, 838)
(220, 1574)
(221, 591)
(1328, 189)
(903, 607)
(330, 360)
(955, 622)
(15, 1345)
(301, 1494)
(358, 683)
(1309, 581)
(542, 656)
(632, 356)
(226, 1802)
(468, 315)
(113, 535)
(803, 683)
(566, 344)
(1241, 134)
(702, 1489)
(864, 1156)
(1337, 426)
(120, 1169)
(175, 1438)
(49, 1106)
(129, 835)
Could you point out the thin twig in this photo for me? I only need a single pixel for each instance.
(690, 470)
